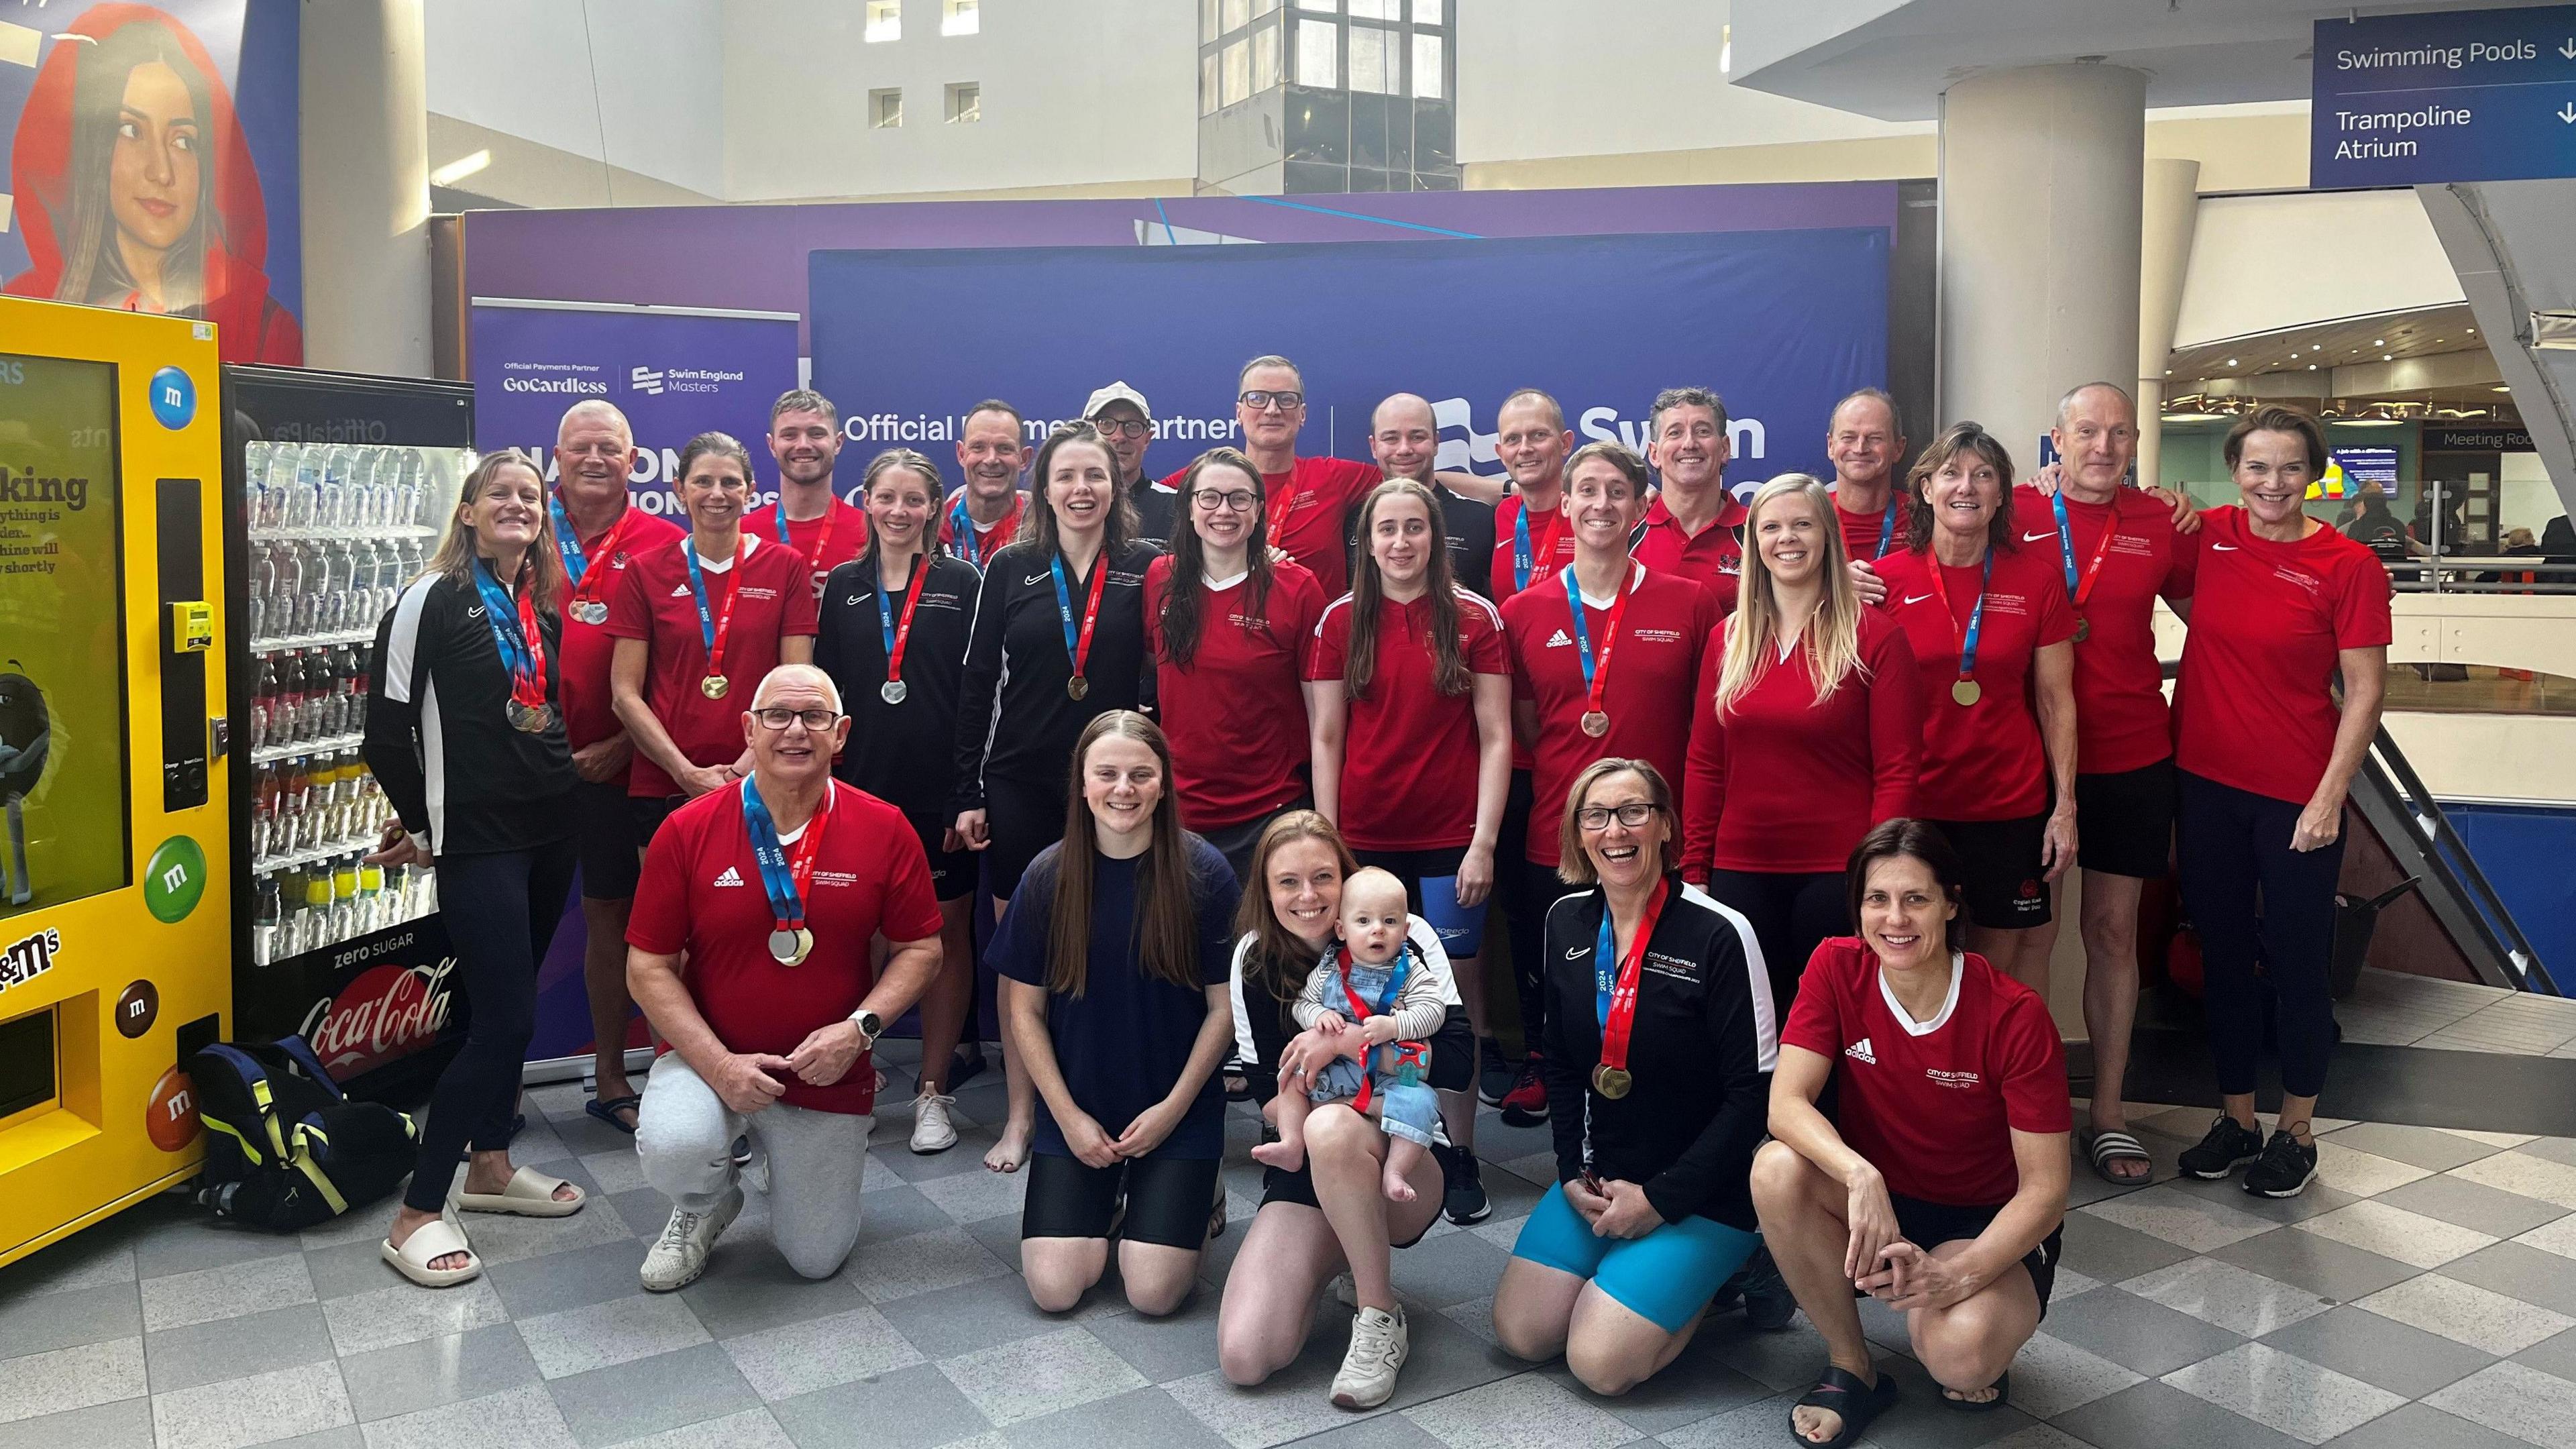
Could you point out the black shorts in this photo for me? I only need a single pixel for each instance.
(1021, 818)
(952, 872)
(1927, 1225)
(1168, 1199)
(2124, 823)
(2001, 861)
(1453, 1069)
(649, 811)
(604, 834)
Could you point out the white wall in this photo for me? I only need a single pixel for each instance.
(2529, 499)
(2260, 263)
(1099, 91)
(525, 67)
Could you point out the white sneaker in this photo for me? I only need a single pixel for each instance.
(1377, 1352)
(680, 1254)
(931, 1129)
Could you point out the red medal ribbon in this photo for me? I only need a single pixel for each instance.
(2101, 551)
(801, 857)
(1622, 1018)
(530, 688)
(1609, 641)
(597, 553)
(724, 616)
(1090, 613)
(903, 630)
(1283, 509)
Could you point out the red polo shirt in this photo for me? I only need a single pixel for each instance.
(1321, 493)
(2120, 717)
(1544, 561)
(847, 539)
(590, 714)
(1984, 761)
(1236, 717)
(1654, 676)
(1408, 777)
(1862, 531)
(1713, 558)
(986, 541)
(701, 893)
(657, 607)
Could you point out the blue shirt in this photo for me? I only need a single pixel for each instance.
(1122, 1043)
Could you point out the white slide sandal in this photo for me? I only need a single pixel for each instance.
(531, 1194)
(431, 1241)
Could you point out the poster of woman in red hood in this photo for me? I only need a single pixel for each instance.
(135, 187)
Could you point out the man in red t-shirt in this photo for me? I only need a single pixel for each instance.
(805, 442)
(1691, 529)
(600, 533)
(1866, 445)
(980, 518)
(751, 960)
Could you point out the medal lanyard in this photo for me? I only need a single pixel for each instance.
(577, 559)
(712, 626)
(1361, 1012)
(1887, 526)
(1614, 978)
(823, 540)
(1077, 644)
(786, 871)
(2076, 592)
(962, 528)
(514, 631)
(1596, 678)
(1282, 509)
(898, 636)
(1976, 616)
(1525, 560)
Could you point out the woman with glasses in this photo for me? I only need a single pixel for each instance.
(1058, 640)
(1994, 642)
(1659, 1031)
(894, 626)
(697, 624)
(1228, 627)
(466, 696)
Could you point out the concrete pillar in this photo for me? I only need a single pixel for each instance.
(365, 136)
(2041, 171)
(2164, 259)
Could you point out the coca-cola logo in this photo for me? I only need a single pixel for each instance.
(387, 1013)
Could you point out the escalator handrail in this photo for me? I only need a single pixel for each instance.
(2452, 854)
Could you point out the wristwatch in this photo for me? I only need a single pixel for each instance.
(870, 1025)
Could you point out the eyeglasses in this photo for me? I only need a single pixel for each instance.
(1122, 427)
(817, 720)
(1257, 400)
(1597, 818)
(1237, 500)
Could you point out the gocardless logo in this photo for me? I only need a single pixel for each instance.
(387, 1013)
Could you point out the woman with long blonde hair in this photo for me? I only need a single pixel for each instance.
(1810, 733)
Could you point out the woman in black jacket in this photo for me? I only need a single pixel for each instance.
(465, 733)
(1659, 1032)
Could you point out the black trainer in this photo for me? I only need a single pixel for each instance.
(2227, 1148)
(1768, 1303)
(1463, 1198)
(1494, 1071)
(2286, 1167)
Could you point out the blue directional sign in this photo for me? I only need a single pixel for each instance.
(2463, 95)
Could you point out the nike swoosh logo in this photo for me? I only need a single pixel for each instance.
(1574, 951)
(2036, 537)
(1916, 598)
(474, 613)
(1033, 580)
(2224, 547)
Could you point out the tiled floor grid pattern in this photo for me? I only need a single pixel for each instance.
(2391, 1008)
(2423, 1295)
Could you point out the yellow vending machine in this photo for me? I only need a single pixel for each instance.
(116, 853)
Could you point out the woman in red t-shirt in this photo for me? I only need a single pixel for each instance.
(1939, 1184)
(1994, 646)
(2281, 605)
(1227, 627)
(1791, 763)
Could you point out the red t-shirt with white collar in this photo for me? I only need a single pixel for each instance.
(657, 606)
(846, 540)
(1409, 756)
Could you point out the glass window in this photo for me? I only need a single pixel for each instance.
(1427, 80)
(1238, 14)
(1207, 21)
(1378, 9)
(1320, 7)
(1265, 58)
(1313, 178)
(1318, 125)
(1368, 131)
(1238, 72)
(1376, 60)
(966, 17)
(966, 103)
(885, 21)
(1426, 12)
(1319, 59)
(1435, 145)
(1366, 178)
(885, 109)
(1208, 98)
(1263, 7)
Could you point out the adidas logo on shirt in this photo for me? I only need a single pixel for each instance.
(1858, 1051)
(1559, 640)
(679, 591)
(733, 877)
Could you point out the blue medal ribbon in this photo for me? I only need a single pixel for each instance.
(885, 606)
(568, 542)
(782, 516)
(2065, 539)
(698, 591)
(1887, 526)
(775, 876)
(502, 614)
(1976, 616)
(1064, 609)
(1521, 559)
(1582, 634)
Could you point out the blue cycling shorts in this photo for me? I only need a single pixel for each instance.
(1664, 1277)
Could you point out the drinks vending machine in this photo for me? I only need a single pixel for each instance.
(340, 487)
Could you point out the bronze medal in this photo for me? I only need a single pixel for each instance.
(1966, 692)
(714, 686)
(531, 719)
(1612, 1082)
(1077, 687)
(2083, 628)
(590, 611)
(790, 946)
(1596, 723)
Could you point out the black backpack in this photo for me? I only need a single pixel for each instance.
(285, 1149)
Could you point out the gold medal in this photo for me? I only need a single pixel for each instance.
(1596, 723)
(714, 686)
(1612, 1082)
(1077, 687)
(2083, 628)
(532, 719)
(1966, 692)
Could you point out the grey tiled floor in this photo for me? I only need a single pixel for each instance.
(2424, 1295)
(2394, 1009)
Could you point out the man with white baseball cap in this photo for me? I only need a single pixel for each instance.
(1124, 420)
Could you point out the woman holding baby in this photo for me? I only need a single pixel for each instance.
(1659, 1034)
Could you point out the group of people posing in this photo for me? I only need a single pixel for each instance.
(1773, 794)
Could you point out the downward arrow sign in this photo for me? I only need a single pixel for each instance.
(2567, 113)
(2567, 48)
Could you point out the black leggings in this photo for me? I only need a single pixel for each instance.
(1790, 913)
(2254, 898)
(500, 912)
(1526, 891)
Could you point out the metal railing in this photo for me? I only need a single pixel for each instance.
(2411, 823)
(2481, 574)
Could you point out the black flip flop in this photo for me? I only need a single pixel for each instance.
(1841, 1391)
(2003, 1391)
(607, 1108)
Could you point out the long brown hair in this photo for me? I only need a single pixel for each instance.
(1956, 439)
(1037, 521)
(1449, 672)
(1187, 587)
(455, 557)
(1166, 931)
(1281, 960)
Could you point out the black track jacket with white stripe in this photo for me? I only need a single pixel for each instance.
(439, 737)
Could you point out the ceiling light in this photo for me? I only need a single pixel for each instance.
(460, 168)
(2195, 417)
(2500, 389)
(2316, 347)
(2388, 357)
(2473, 332)
(2312, 367)
(2231, 362)
(2379, 342)
(2372, 422)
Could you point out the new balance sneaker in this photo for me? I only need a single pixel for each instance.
(931, 1129)
(2227, 1148)
(1525, 1105)
(1377, 1352)
(680, 1254)
(1494, 1074)
(1463, 1195)
(2286, 1167)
